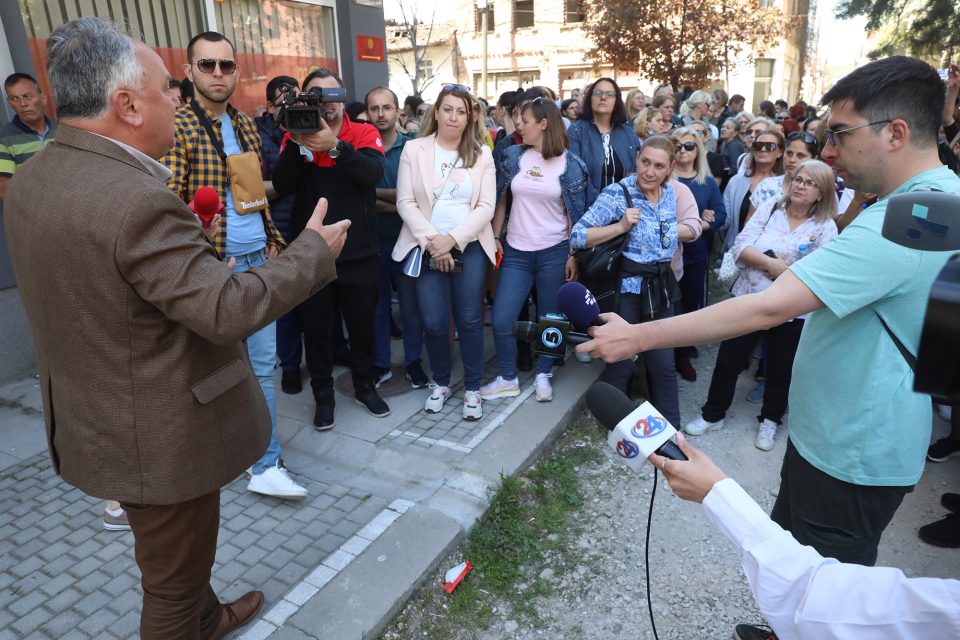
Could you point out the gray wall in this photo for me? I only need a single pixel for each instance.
(352, 20)
(16, 345)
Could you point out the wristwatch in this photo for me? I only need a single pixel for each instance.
(335, 152)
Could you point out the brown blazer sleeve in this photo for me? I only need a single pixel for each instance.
(162, 253)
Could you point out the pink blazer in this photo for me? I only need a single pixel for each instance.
(415, 200)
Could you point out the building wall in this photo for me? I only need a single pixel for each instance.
(443, 62)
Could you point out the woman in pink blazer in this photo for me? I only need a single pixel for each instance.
(446, 189)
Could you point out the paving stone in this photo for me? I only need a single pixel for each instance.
(50, 552)
(27, 566)
(278, 558)
(127, 601)
(55, 585)
(92, 583)
(122, 583)
(94, 625)
(61, 623)
(332, 516)
(84, 567)
(127, 626)
(347, 503)
(64, 600)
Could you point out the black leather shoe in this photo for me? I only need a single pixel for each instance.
(369, 399)
(290, 382)
(951, 501)
(415, 374)
(943, 533)
(323, 418)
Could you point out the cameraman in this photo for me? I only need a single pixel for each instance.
(342, 162)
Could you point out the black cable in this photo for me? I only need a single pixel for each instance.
(646, 553)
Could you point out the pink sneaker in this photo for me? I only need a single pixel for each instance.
(438, 395)
(500, 388)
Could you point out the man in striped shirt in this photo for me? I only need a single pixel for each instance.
(30, 130)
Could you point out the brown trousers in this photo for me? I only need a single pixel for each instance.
(175, 546)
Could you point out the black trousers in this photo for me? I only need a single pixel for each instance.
(838, 519)
(660, 364)
(781, 348)
(693, 288)
(355, 290)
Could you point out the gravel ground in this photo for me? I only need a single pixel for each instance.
(597, 582)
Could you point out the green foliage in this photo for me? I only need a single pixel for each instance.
(925, 28)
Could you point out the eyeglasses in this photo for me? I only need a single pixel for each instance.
(208, 65)
(809, 184)
(801, 135)
(604, 93)
(686, 146)
(833, 135)
(458, 87)
(765, 146)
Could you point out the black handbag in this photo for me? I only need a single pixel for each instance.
(599, 266)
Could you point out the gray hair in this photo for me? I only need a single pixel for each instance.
(87, 60)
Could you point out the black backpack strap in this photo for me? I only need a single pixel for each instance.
(909, 357)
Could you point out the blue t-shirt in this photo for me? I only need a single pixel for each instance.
(853, 412)
(245, 234)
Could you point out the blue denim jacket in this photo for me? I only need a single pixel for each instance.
(573, 181)
(586, 142)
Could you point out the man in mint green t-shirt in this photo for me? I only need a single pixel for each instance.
(858, 432)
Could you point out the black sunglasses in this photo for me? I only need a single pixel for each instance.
(802, 135)
(688, 146)
(461, 87)
(764, 146)
(208, 65)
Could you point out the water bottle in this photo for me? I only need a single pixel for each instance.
(802, 250)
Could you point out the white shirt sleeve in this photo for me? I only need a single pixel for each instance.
(805, 596)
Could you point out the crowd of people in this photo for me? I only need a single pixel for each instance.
(461, 211)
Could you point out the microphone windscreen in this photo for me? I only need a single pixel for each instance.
(577, 303)
(206, 202)
(608, 404)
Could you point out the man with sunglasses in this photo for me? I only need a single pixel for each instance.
(858, 432)
(208, 131)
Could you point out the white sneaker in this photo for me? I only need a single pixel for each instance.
(500, 388)
(438, 395)
(699, 426)
(472, 410)
(543, 387)
(582, 357)
(766, 433)
(276, 482)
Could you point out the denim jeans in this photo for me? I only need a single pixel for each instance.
(262, 349)
(461, 294)
(391, 272)
(519, 271)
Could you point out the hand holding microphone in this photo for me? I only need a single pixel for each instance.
(691, 479)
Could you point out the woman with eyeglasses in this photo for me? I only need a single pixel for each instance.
(446, 189)
(800, 148)
(691, 170)
(547, 188)
(603, 138)
(764, 160)
(648, 123)
(658, 221)
(782, 232)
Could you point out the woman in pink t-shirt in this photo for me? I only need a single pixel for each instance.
(541, 186)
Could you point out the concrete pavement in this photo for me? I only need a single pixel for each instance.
(389, 498)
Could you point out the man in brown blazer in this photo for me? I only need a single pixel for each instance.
(148, 393)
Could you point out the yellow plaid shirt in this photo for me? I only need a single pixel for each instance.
(195, 163)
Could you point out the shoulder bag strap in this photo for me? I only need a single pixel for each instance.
(216, 140)
(626, 236)
(909, 357)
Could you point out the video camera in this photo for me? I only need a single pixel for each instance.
(927, 221)
(300, 112)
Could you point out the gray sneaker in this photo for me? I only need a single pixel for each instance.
(115, 523)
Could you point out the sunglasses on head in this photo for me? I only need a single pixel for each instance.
(764, 146)
(208, 65)
(460, 87)
(802, 135)
(687, 146)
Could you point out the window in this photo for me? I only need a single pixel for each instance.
(762, 81)
(491, 22)
(425, 67)
(522, 14)
(572, 11)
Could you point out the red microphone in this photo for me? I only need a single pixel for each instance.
(206, 204)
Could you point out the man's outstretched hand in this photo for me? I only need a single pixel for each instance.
(333, 234)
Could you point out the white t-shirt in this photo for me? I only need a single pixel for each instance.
(537, 218)
(452, 204)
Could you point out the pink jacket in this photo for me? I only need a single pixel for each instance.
(415, 200)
